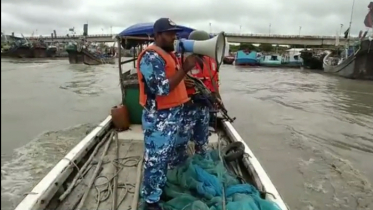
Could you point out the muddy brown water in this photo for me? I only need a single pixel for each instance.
(312, 132)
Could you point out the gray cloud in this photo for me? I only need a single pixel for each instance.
(317, 17)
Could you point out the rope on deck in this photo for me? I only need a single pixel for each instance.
(96, 172)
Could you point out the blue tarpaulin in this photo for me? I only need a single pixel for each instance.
(146, 29)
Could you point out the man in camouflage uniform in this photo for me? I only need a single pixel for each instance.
(161, 126)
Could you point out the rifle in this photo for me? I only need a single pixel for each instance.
(211, 100)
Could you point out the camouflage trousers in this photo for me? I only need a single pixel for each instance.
(195, 127)
(161, 130)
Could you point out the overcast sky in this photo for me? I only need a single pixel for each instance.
(315, 17)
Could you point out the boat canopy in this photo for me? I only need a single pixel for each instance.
(146, 29)
(142, 33)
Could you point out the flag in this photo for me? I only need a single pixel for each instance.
(337, 39)
(346, 33)
(368, 21)
(71, 29)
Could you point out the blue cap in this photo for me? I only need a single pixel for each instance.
(165, 24)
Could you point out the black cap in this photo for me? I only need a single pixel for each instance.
(165, 24)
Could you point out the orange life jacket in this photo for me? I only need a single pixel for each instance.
(204, 75)
(177, 96)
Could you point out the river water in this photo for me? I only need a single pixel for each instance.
(313, 133)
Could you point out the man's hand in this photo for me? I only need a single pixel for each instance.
(219, 102)
(189, 63)
(188, 83)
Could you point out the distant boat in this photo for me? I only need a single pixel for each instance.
(292, 58)
(51, 51)
(228, 59)
(353, 64)
(271, 61)
(246, 58)
(312, 60)
(259, 56)
(355, 61)
(74, 51)
(97, 58)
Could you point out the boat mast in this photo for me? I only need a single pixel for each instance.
(349, 28)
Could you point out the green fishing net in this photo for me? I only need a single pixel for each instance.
(198, 185)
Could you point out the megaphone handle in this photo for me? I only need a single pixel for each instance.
(183, 53)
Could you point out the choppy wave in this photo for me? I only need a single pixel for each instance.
(31, 162)
(331, 182)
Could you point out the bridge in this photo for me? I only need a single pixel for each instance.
(233, 38)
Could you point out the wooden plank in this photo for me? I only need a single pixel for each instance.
(72, 200)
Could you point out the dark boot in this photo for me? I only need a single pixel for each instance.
(152, 206)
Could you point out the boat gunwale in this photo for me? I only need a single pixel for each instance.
(45, 190)
(272, 193)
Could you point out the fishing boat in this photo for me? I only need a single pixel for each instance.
(74, 50)
(292, 59)
(355, 62)
(271, 61)
(38, 48)
(23, 50)
(7, 50)
(94, 56)
(104, 170)
(97, 58)
(20, 47)
(51, 51)
(312, 60)
(229, 59)
(246, 58)
(8, 45)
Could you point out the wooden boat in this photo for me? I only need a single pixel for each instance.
(39, 48)
(312, 60)
(292, 59)
(104, 171)
(8, 50)
(271, 61)
(74, 50)
(75, 56)
(24, 48)
(355, 62)
(96, 59)
(48, 193)
(228, 59)
(93, 55)
(51, 51)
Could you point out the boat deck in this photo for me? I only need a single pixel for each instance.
(123, 167)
